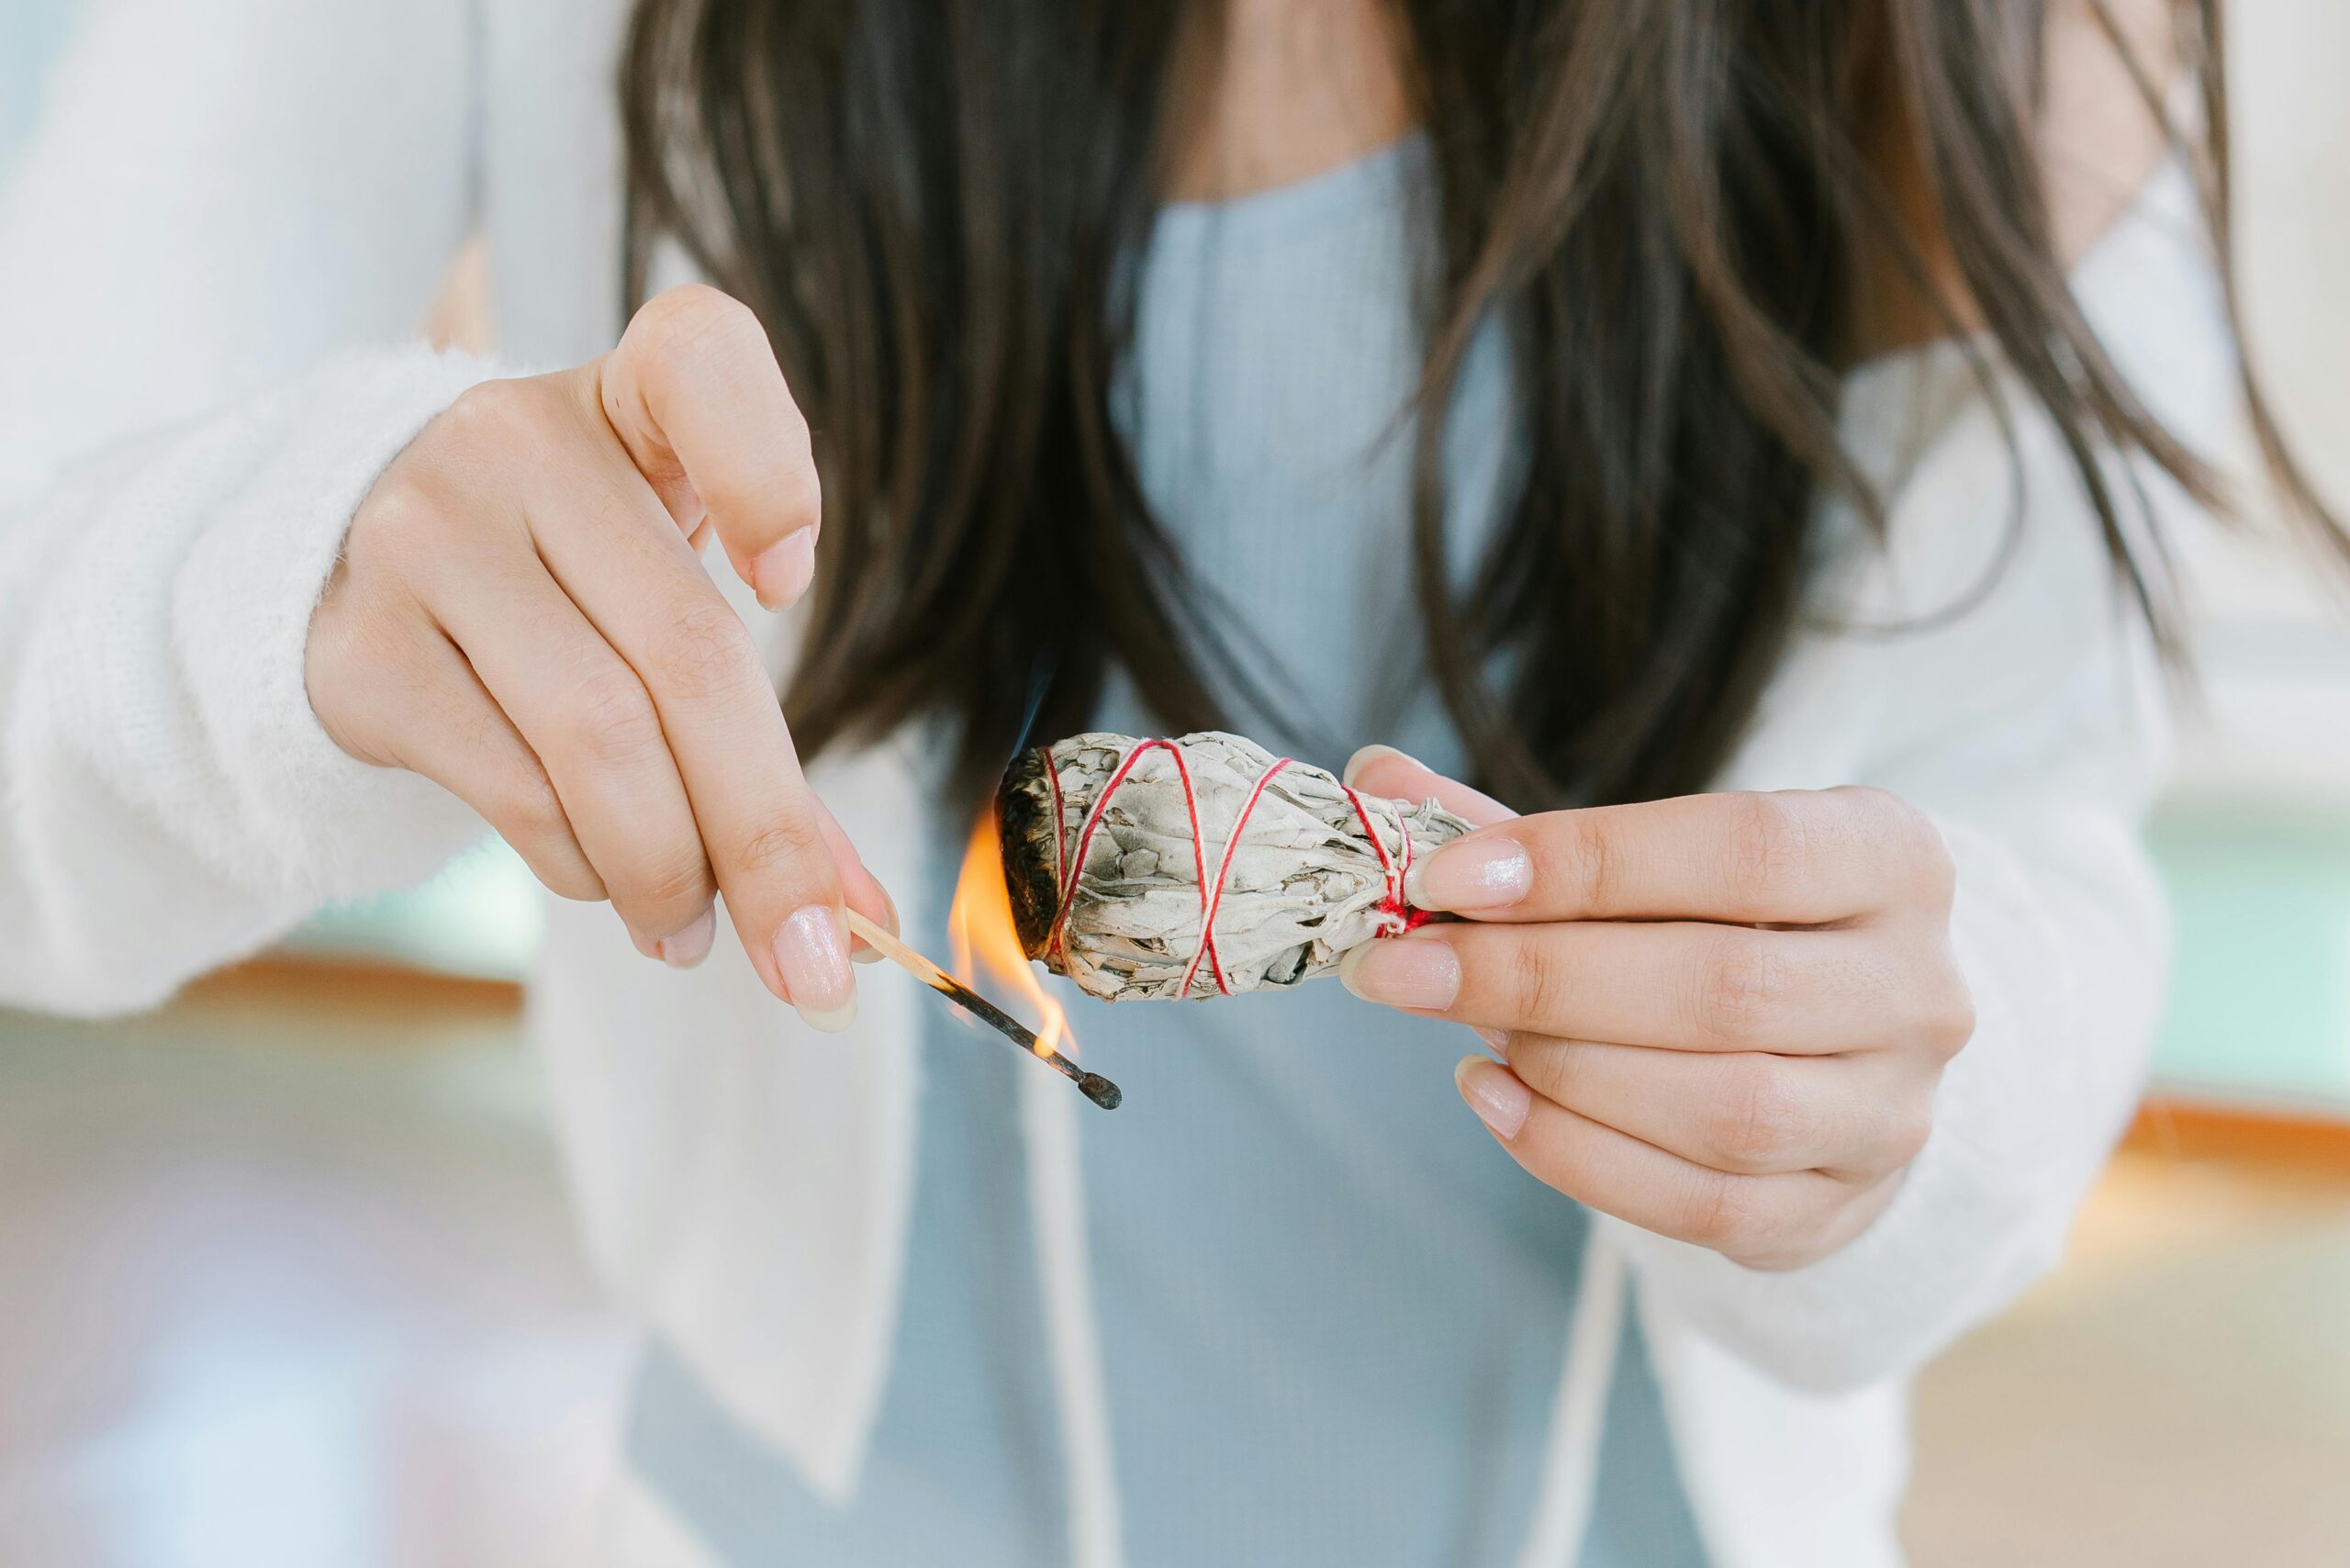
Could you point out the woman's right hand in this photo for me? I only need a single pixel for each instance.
(520, 615)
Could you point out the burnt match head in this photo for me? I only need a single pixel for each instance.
(1101, 1091)
(1028, 829)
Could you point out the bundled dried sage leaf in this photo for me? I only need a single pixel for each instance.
(1126, 873)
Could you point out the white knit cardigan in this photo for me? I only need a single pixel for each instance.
(236, 211)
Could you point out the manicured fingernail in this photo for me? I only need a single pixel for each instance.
(812, 954)
(1497, 1039)
(1494, 1091)
(781, 573)
(1470, 875)
(691, 946)
(1371, 754)
(1404, 972)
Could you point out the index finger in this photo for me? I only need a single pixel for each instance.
(1794, 858)
(696, 396)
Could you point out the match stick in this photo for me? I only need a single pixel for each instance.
(1092, 1085)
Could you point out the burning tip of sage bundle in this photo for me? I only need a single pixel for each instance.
(1203, 866)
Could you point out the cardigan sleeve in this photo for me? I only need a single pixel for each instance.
(1989, 666)
(230, 217)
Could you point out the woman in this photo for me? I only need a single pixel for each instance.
(1628, 407)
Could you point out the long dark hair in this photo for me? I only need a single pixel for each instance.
(937, 206)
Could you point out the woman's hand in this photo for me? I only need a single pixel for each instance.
(1723, 1016)
(520, 615)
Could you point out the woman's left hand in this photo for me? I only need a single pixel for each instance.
(1723, 1016)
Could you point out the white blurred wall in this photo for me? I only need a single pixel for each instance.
(2290, 78)
(2276, 632)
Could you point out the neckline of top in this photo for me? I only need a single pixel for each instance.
(1384, 171)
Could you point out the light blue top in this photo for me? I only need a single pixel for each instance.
(1332, 1309)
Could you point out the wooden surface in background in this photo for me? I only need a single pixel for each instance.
(2182, 1129)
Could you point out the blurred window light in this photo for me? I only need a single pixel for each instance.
(2260, 997)
(480, 917)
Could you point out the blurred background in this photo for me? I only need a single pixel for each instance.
(287, 1275)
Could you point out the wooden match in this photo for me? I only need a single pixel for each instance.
(1092, 1085)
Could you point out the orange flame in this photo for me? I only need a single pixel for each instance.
(979, 925)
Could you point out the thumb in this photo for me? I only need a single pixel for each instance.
(1384, 771)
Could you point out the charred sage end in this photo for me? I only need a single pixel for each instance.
(1028, 829)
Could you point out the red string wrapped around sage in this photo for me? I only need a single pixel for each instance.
(1204, 866)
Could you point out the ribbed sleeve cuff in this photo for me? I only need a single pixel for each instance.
(334, 826)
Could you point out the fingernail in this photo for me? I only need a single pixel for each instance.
(691, 946)
(1498, 1039)
(1421, 972)
(781, 572)
(812, 954)
(1470, 875)
(1369, 755)
(1494, 1091)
